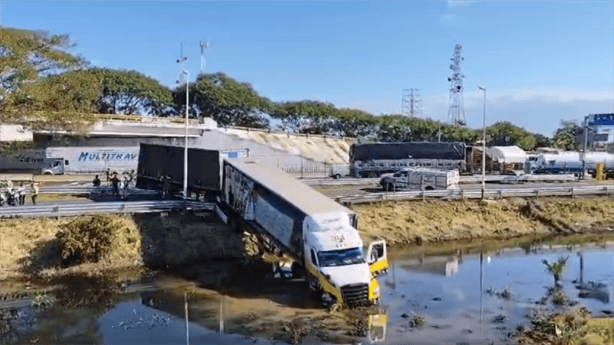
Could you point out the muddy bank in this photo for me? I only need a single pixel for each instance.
(33, 248)
(417, 222)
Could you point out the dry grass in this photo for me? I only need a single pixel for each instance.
(31, 247)
(437, 220)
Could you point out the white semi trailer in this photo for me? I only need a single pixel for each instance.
(318, 234)
(90, 160)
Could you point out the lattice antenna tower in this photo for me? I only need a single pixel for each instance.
(456, 112)
(412, 104)
(203, 50)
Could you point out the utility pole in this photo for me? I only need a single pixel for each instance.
(483, 144)
(456, 112)
(411, 103)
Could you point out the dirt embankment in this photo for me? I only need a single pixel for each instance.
(36, 247)
(31, 248)
(417, 222)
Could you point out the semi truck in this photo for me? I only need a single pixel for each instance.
(90, 160)
(159, 162)
(316, 233)
(420, 178)
(374, 159)
(26, 161)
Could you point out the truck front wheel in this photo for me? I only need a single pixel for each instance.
(314, 285)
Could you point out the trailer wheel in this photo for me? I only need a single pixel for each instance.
(337, 176)
(372, 174)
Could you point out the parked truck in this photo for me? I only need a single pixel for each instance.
(420, 179)
(159, 162)
(319, 235)
(90, 160)
(23, 161)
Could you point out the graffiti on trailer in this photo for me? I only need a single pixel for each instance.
(107, 156)
(240, 195)
(29, 159)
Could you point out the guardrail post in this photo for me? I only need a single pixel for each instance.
(462, 194)
(605, 188)
(571, 192)
(57, 209)
(123, 208)
(423, 196)
(536, 193)
(500, 194)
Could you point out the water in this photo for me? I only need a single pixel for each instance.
(460, 297)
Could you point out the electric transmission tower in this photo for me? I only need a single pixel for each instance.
(412, 105)
(456, 112)
(203, 50)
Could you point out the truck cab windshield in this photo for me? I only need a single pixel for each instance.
(340, 257)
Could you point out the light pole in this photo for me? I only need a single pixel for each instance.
(483, 144)
(185, 151)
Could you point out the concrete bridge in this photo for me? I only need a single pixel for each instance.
(295, 153)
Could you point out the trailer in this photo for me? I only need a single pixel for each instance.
(90, 160)
(316, 233)
(161, 165)
(420, 179)
(374, 159)
(26, 161)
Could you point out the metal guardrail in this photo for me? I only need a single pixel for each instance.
(77, 209)
(352, 181)
(476, 194)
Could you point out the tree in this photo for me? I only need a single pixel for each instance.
(229, 102)
(505, 134)
(28, 55)
(355, 123)
(130, 92)
(306, 116)
(63, 102)
(565, 136)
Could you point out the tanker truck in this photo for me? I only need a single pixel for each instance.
(317, 234)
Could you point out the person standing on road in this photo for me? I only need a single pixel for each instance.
(34, 192)
(21, 194)
(166, 187)
(96, 181)
(115, 184)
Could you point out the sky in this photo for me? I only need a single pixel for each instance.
(541, 62)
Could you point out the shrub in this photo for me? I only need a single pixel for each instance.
(90, 239)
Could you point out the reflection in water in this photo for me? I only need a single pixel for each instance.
(377, 327)
(435, 265)
(597, 291)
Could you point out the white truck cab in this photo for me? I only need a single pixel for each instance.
(55, 168)
(336, 263)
